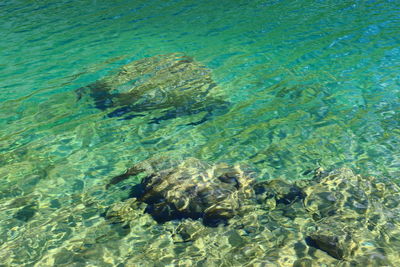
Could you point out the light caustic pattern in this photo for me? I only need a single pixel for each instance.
(309, 84)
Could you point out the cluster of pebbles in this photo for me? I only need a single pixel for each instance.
(336, 217)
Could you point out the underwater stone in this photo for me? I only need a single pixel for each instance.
(174, 83)
(190, 230)
(235, 239)
(331, 240)
(356, 217)
(191, 189)
(125, 212)
(26, 213)
(281, 191)
(338, 191)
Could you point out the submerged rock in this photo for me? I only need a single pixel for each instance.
(337, 192)
(333, 238)
(282, 192)
(191, 189)
(355, 217)
(173, 83)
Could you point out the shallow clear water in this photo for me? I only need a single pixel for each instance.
(312, 83)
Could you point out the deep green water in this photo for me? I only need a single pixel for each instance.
(313, 83)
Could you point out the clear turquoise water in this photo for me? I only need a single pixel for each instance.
(313, 83)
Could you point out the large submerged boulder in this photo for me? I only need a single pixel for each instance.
(173, 83)
(191, 189)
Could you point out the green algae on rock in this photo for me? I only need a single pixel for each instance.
(174, 83)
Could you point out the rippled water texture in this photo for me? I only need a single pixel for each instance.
(310, 84)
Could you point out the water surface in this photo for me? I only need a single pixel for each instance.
(312, 83)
